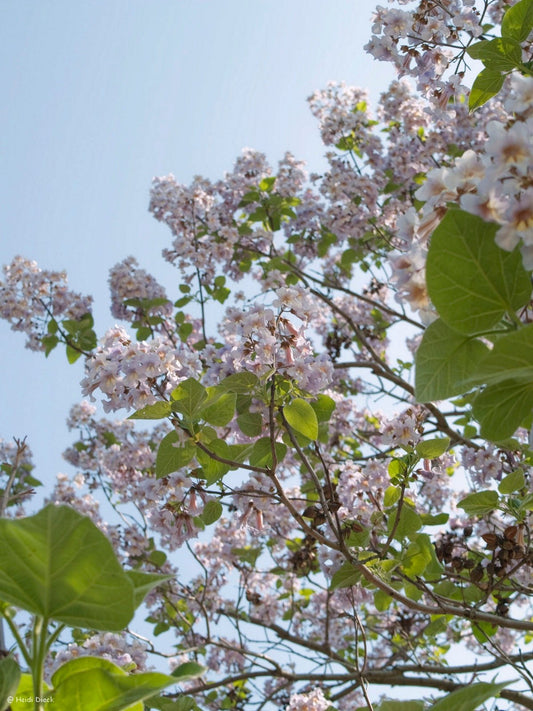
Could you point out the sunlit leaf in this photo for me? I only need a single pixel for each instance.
(444, 360)
(345, 577)
(221, 412)
(510, 359)
(302, 418)
(59, 565)
(471, 281)
(188, 670)
(172, 454)
(501, 54)
(9, 680)
(432, 448)
(480, 503)
(96, 684)
(486, 85)
(512, 482)
(157, 411)
(469, 697)
(517, 21)
(212, 512)
(143, 583)
(188, 398)
(501, 408)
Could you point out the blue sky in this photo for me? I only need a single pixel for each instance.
(98, 97)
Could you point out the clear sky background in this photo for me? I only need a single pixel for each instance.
(98, 97)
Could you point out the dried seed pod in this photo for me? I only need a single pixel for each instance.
(477, 574)
(510, 533)
(315, 513)
(253, 597)
(491, 540)
(457, 563)
(502, 608)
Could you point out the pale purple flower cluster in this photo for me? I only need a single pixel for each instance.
(291, 177)
(201, 216)
(434, 482)
(312, 701)
(342, 111)
(9, 451)
(16, 462)
(31, 297)
(422, 42)
(122, 649)
(123, 456)
(261, 340)
(127, 281)
(405, 428)
(132, 375)
(225, 656)
(268, 561)
(360, 490)
(495, 182)
(409, 277)
(390, 162)
(68, 490)
(483, 465)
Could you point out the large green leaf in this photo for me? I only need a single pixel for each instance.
(188, 670)
(409, 522)
(324, 406)
(510, 359)
(9, 680)
(444, 359)
(172, 456)
(244, 383)
(420, 556)
(144, 582)
(486, 85)
(469, 697)
(212, 469)
(518, 20)
(432, 448)
(471, 281)
(59, 565)
(23, 700)
(188, 398)
(480, 503)
(512, 482)
(261, 453)
(417, 556)
(501, 408)
(502, 54)
(302, 418)
(220, 411)
(345, 576)
(250, 423)
(157, 411)
(212, 512)
(394, 705)
(96, 684)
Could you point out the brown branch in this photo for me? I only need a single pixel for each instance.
(467, 613)
(379, 677)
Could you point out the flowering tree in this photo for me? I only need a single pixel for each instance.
(295, 546)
